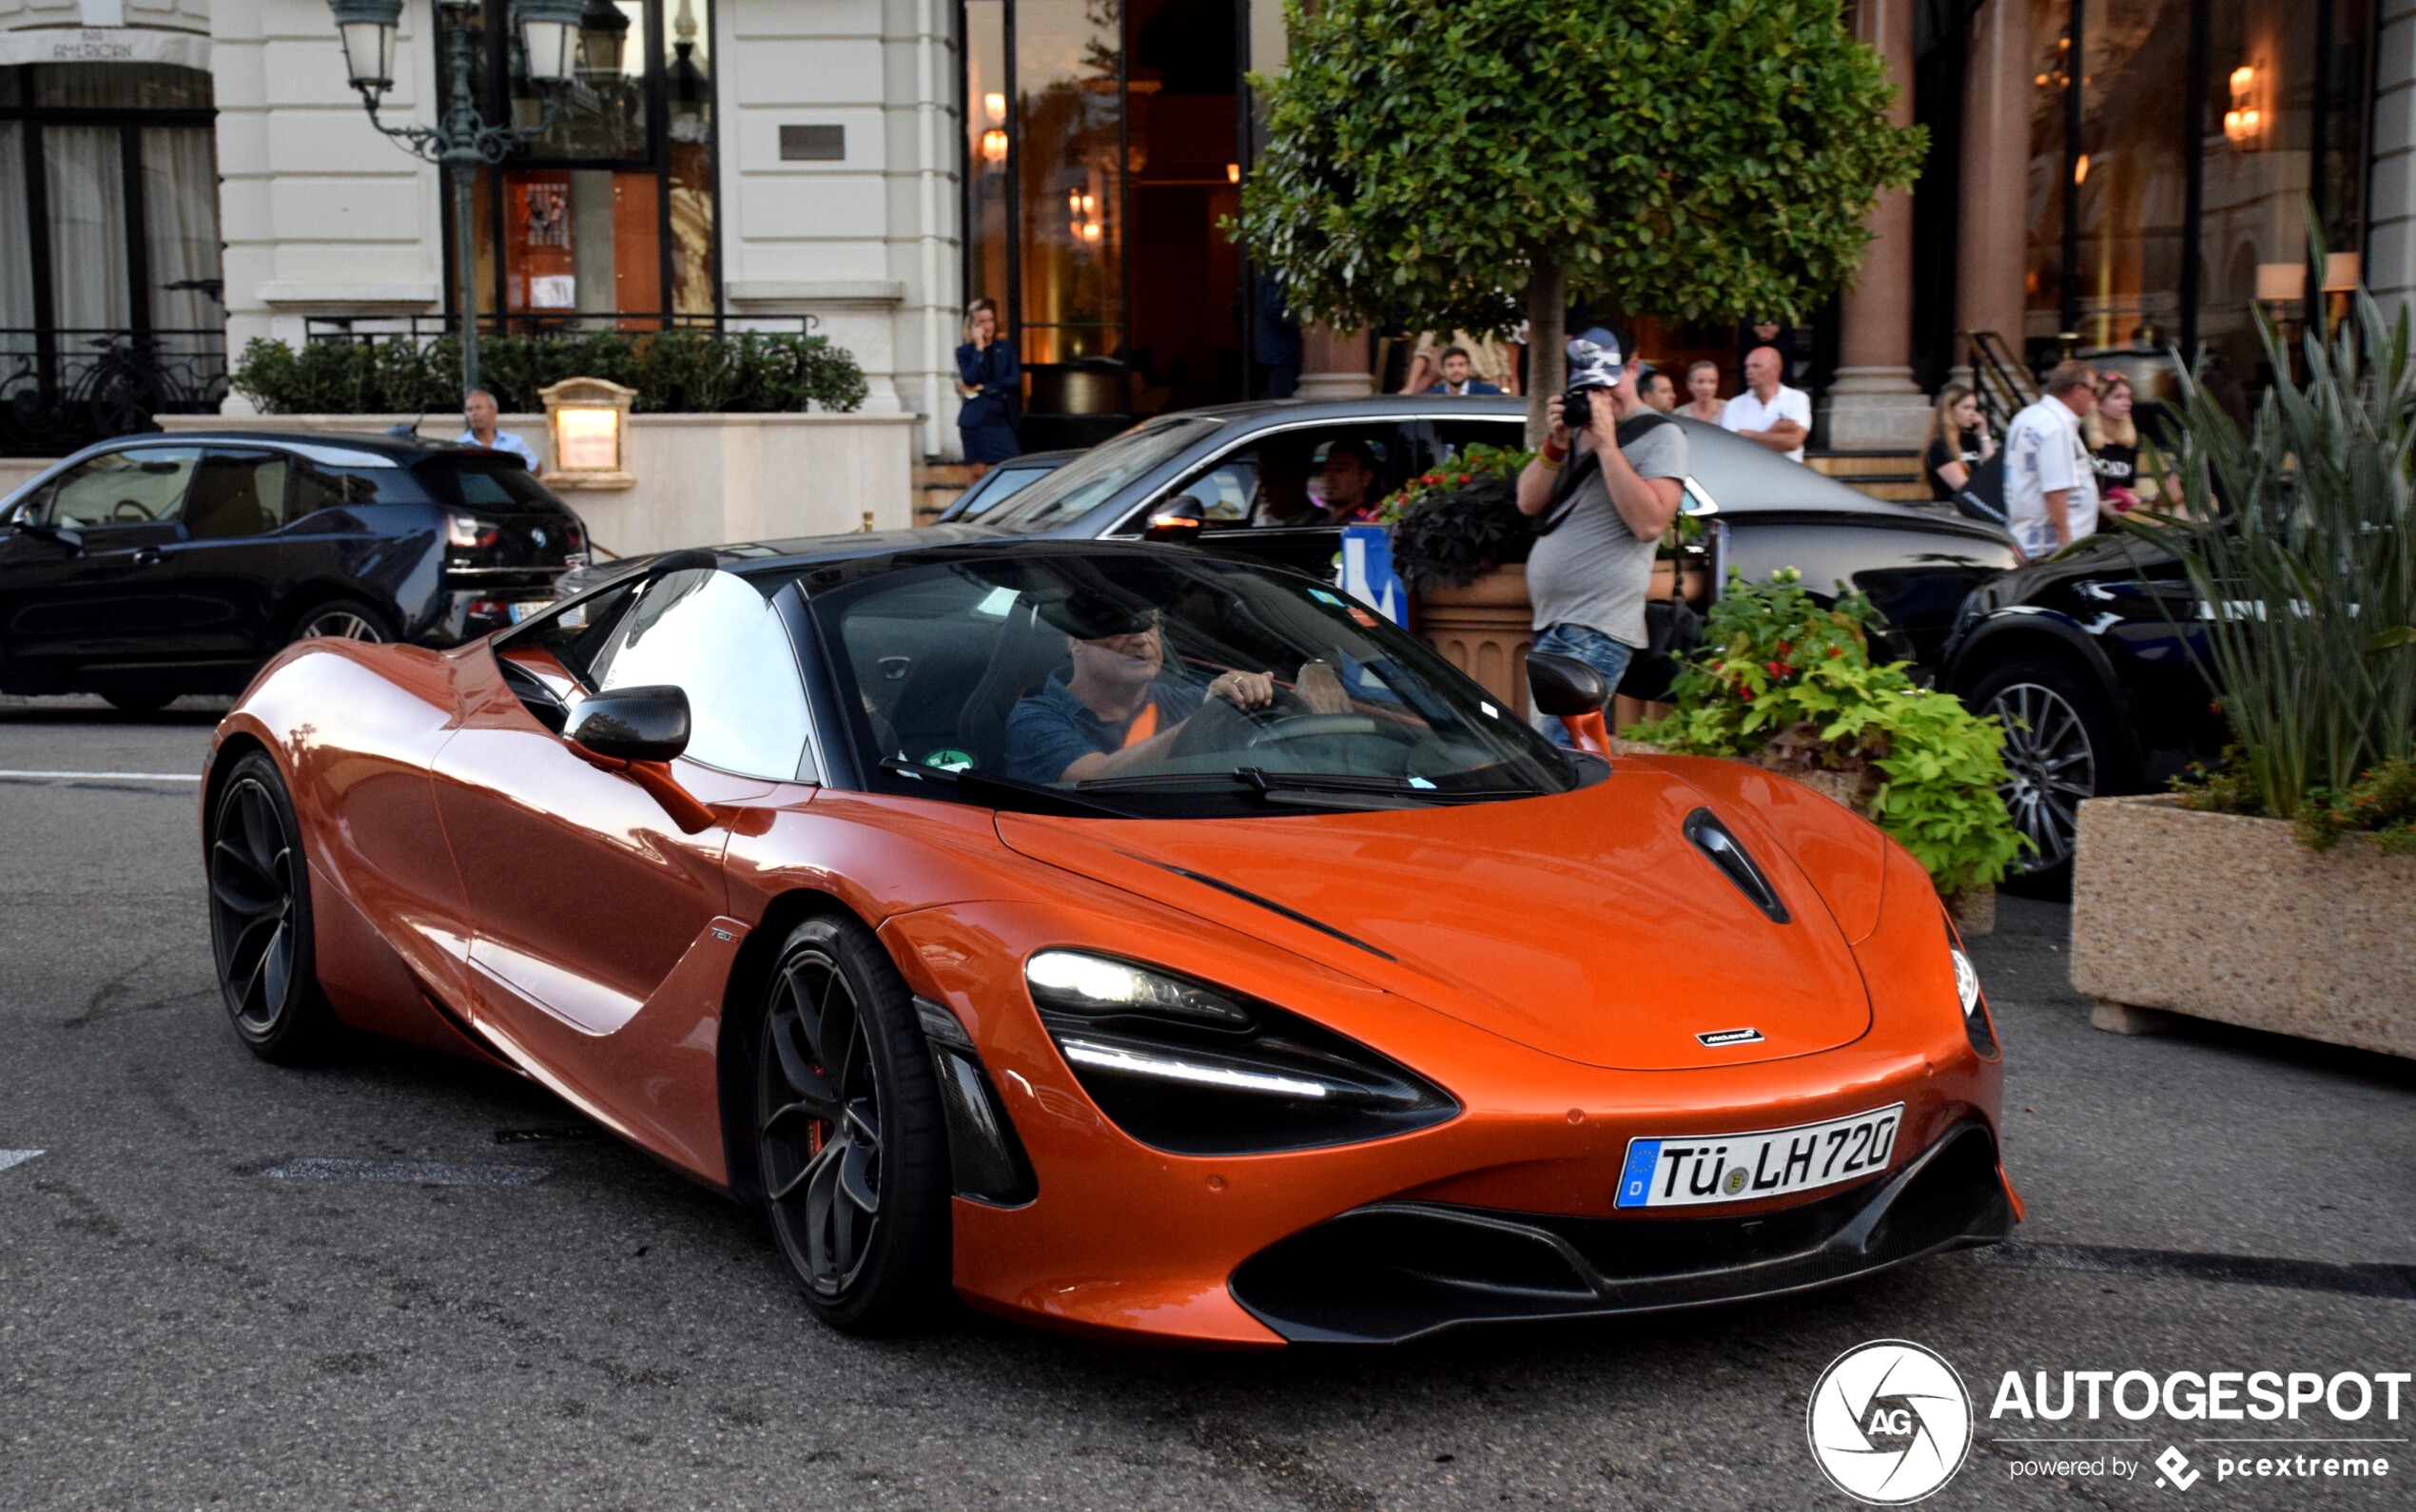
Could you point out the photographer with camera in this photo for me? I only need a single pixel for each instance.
(1601, 493)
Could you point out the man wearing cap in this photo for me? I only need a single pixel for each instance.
(1112, 710)
(1601, 498)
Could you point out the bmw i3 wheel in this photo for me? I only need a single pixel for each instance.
(259, 916)
(850, 1144)
(342, 619)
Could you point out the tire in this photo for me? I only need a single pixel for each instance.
(854, 1164)
(260, 919)
(138, 703)
(342, 619)
(2062, 745)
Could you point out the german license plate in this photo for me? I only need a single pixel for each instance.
(1691, 1170)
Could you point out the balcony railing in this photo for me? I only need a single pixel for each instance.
(65, 389)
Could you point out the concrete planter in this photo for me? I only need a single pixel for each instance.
(700, 479)
(2220, 917)
(1484, 630)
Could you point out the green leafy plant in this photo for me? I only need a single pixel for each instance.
(2381, 803)
(2305, 561)
(1787, 681)
(1452, 524)
(1458, 162)
(673, 372)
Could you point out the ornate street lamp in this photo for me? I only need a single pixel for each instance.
(461, 142)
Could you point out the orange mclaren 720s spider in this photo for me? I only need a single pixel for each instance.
(1129, 938)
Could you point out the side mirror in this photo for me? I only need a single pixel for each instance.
(632, 724)
(1180, 519)
(56, 534)
(1564, 686)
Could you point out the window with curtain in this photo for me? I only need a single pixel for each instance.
(607, 218)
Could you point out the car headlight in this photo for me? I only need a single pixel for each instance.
(1975, 1022)
(1196, 1070)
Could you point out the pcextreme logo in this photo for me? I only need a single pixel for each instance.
(1889, 1423)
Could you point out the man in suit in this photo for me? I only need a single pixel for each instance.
(1459, 375)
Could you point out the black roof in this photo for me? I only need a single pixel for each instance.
(403, 450)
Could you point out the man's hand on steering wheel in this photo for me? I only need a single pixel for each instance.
(1243, 690)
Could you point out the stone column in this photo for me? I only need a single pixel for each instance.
(1333, 366)
(1874, 405)
(1992, 248)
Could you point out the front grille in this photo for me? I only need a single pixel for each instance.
(1395, 1270)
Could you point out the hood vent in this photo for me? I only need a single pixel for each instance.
(1712, 838)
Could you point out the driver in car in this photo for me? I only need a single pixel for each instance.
(1114, 711)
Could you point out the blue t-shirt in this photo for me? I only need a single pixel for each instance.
(1050, 730)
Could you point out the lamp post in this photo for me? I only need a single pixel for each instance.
(461, 142)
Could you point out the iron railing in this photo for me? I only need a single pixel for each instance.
(65, 389)
(2001, 380)
(568, 324)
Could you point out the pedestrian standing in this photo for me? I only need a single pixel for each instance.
(1459, 377)
(1768, 413)
(1659, 391)
(1601, 496)
(1703, 393)
(2051, 488)
(2112, 438)
(479, 414)
(1276, 345)
(1957, 443)
(991, 383)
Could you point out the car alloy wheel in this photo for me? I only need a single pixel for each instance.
(849, 1145)
(2051, 764)
(339, 624)
(260, 915)
(821, 1138)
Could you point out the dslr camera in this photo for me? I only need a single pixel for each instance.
(1577, 409)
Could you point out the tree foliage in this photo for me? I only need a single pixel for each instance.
(1455, 163)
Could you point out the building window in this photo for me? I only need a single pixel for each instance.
(608, 218)
(110, 281)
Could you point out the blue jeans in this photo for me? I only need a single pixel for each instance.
(1593, 647)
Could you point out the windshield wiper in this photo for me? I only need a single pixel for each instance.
(1005, 792)
(1276, 784)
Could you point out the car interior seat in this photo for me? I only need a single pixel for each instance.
(224, 501)
(1028, 650)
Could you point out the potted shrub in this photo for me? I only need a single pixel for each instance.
(2281, 893)
(1787, 683)
(1460, 544)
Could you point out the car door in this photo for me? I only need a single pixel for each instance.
(68, 607)
(223, 575)
(584, 894)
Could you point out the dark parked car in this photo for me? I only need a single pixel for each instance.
(2090, 656)
(152, 566)
(1001, 483)
(1767, 512)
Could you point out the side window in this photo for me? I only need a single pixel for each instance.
(714, 637)
(134, 487)
(318, 486)
(572, 637)
(1296, 477)
(236, 494)
(1453, 436)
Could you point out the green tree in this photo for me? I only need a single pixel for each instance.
(1453, 163)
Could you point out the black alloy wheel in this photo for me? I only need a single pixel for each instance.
(850, 1144)
(259, 916)
(2059, 749)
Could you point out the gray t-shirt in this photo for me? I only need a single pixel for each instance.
(1592, 570)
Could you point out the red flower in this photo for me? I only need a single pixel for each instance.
(1463, 477)
(1837, 651)
(1777, 668)
(1782, 648)
(1746, 693)
(1430, 478)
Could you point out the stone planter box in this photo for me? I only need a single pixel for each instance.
(2215, 915)
(701, 479)
(1484, 630)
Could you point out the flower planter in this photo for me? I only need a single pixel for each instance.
(2216, 916)
(1484, 630)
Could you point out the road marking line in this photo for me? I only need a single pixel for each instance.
(15, 1157)
(409, 1173)
(116, 776)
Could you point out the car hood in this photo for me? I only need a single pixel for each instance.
(1583, 924)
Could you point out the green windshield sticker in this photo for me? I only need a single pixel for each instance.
(949, 760)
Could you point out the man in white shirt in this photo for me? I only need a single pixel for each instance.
(2051, 489)
(1768, 413)
(478, 409)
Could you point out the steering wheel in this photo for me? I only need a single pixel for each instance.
(128, 510)
(1308, 727)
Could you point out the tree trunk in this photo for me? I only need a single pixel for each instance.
(1547, 307)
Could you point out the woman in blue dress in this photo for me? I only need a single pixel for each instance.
(992, 382)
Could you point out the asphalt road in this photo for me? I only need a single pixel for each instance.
(575, 1326)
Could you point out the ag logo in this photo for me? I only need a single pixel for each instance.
(1890, 1422)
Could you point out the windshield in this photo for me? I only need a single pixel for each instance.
(1161, 684)
(1091, 479)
